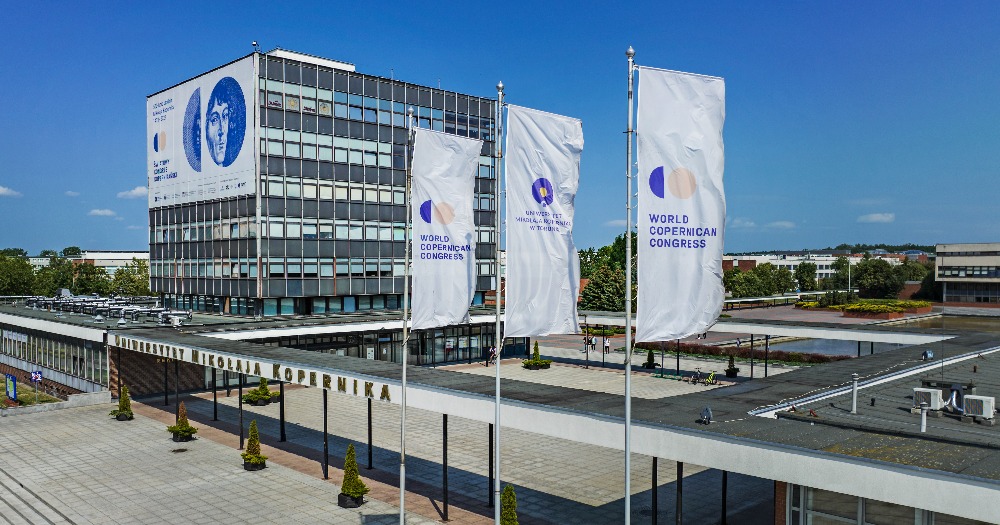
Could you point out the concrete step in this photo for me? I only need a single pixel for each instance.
(21, 505)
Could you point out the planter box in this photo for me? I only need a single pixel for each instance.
(254, 466)
(261, 402)
(732, 372)
(537, 367)
(922, 310)
(182, 439)
(649, 366)
(123, 417)
(348, 502)
(865, 315)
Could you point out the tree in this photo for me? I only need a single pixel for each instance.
(90, 279)
(805, 275)
(48, 253)
(616, 251)
(14, 252)
(72, 251)
(776, 280)
(508, 506)
(49, 279)
(605, 292)
(16, 276)
(352, 486)
(131, 279)
(591, 260)
(838, 281)
(930, 289)
(252, 453)
(910, 270)
(744, 284)
(875, 279)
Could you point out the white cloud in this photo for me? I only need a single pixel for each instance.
(134, 227)
(617, 223)
(72, 193)
(878, 217)
(781, 225)
(102, 213)
(137, 192)
(742, 223)
(7, 192)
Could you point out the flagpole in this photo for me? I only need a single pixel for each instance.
(498, 339)
(628, 296)
(406, 333)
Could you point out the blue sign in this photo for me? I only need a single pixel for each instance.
(36, 376)
(11, 387)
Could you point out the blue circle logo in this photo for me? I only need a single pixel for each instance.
(656, 182)
(542, 191)
(681, 183)
(192, 130)
(159, 141)
(225, 121)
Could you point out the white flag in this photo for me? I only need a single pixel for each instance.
(444, 245)
(543, 267)
(682, 206)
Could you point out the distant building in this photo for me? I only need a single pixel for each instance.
(824, 263)
(969, 273)
(110, 260)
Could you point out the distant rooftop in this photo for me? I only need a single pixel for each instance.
(313, 59)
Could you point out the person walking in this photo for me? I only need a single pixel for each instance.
(607, 346)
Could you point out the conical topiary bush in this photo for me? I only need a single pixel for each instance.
(535, 355)
(508, 506)
(124, 410)
(252, 458)
(353, 490)
(182, 431)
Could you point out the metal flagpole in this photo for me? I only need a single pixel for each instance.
(628, 297)
(498, 338)
(406, 333)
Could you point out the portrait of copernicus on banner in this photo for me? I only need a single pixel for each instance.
(225, 121)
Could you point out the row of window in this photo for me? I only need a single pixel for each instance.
(70, 356)
(293, 228)
(293, 97)
(294, 187)
(969, 271)
(290, 267)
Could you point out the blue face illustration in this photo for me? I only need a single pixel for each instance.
(225, 121)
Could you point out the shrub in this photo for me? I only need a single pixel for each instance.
(508, 506)
(650, 362)
(252, 453)
(536, 359)
(534, 354)
(352, 486)
(182, 428)
(732, 364)
(260, 393)
(124, 405)
(873, 308)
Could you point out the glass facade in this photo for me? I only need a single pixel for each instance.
(809, 506)
(331, 199)
(86, 360)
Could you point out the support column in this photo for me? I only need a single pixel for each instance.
(767, 349)
(859, 348)
(225, 382)
(489, 488)
(281, 410)
(241, 410)
(655, 491)
(369, 433)
(751, 356)
(678, 358)
(444, 464)
(166, 385)
(680, 490)
(177, 390)
(725, 489)
(326, 440)
(873, 348)
(215, 396)
(120, 376)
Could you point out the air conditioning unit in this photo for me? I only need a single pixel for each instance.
(980, 406)
(931, 396)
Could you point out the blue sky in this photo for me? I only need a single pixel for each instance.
(845, 121)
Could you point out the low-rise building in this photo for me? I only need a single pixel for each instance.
(970, 272)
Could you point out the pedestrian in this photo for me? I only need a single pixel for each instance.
(593, 343)
(607, 346)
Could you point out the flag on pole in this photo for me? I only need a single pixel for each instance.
(543, 266)
(444, 245)
(682, 205)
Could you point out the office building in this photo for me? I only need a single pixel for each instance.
(969, 273)
(287, 195)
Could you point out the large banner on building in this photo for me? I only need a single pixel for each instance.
(682, 205)
(543, 266)
(444, 230)
(200, 142)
